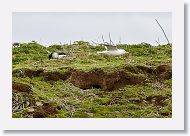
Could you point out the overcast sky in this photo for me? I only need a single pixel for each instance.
(54, 28)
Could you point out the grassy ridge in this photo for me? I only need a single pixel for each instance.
(85, 57)
(148, 100)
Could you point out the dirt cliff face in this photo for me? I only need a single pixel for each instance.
(100, 79)
(164, 72)
(118, 79)
(108, 82)
(103, 80)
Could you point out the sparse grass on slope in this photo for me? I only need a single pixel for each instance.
(152, 99)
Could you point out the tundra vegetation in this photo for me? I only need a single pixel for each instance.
(85, 84)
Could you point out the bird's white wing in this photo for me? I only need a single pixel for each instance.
(110, 47)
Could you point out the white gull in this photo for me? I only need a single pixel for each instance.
(112, 50)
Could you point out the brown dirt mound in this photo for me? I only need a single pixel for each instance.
(164, 72)
(163, 68)
(100, 79)
(103, 80)
(20, 87)
(45, 110)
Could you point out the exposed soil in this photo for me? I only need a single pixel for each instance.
(98, 78)
(163, 72)
(45, 110)
(23, 100)
(162, 69)
(20, 87)
(103, 80)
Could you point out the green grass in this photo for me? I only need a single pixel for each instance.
(84, 57)
(149, 100)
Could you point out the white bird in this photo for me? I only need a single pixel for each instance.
(57, 55)
(112, 50)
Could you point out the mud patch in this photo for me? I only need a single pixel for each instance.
(162, 68)
(98, 78)
(106, 81)
(164, 72)
(45, 110)
(20, 87)
(165, 75)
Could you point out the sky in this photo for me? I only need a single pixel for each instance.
(50, 28)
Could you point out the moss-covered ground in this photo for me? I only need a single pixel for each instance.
(152, 99)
